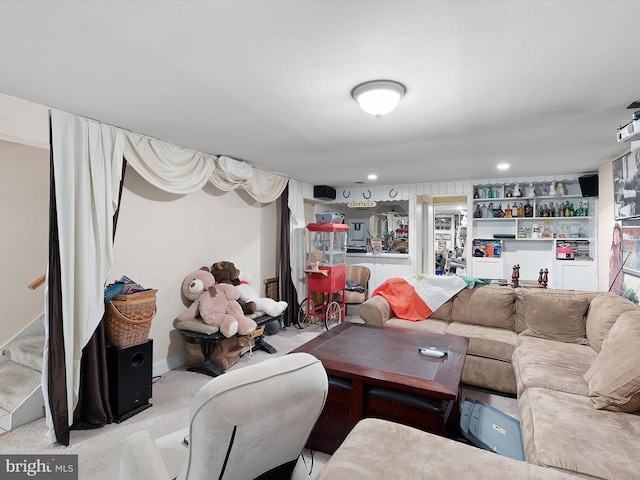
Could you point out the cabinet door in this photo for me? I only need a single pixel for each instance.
(488, 267)
(577, 275)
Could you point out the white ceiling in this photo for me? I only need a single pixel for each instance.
(542, 85)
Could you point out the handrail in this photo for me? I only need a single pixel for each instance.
(37, 282)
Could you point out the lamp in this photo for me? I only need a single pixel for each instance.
(378, 97)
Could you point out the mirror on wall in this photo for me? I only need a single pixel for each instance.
(387, 221)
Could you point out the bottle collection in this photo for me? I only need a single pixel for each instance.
(526, 210)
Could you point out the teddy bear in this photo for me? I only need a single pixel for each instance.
(216, 304)
(266, 305)
(226, 272)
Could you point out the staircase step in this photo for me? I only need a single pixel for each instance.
(17, 384)
(28, 351)
(5, 422)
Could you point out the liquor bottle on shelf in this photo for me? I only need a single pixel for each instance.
(528, 209)
(520, 210)
(507, 212)
(514, 210)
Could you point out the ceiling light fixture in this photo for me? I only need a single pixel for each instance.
(378, 97)
(503, 166)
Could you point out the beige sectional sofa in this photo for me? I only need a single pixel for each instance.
(572, 358)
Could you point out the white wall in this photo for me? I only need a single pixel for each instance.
(24, 207)
(24, 122)
(24, 216)
(161, 237)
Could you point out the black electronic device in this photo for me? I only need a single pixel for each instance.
(324, 192)
(589, 185)
(130, 377)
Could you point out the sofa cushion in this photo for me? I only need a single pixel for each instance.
(527, 295)
(496, 343)
(603, 311)
(429, 325)
(490, 374)
(490, 306)
(563, 431)
(444, 311)
(553, 346)
(555, 370)
(559, 317)
(380, 450)
(614, 377)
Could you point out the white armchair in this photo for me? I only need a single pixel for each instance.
(250, 423)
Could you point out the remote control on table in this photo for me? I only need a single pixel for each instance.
(432, 352)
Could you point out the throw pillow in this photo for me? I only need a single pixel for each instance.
(556, 317)
(603, 313)
(614, 376)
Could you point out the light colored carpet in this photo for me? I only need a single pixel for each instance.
(99, 449)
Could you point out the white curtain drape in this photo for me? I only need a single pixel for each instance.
(88, 158)
(298, 238)
(87, 162)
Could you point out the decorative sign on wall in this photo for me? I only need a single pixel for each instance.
(362, 204)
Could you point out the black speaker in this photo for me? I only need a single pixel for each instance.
(589, 185)
(130, 374)
(324, 192)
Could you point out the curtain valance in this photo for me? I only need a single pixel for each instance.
(181, 170)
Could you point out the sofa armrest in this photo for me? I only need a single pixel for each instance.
(375, 311)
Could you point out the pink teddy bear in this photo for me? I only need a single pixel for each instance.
(216, 304)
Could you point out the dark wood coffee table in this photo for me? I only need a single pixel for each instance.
(379, 372)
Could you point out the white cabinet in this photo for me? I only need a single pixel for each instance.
(574, 275)
(488, 268)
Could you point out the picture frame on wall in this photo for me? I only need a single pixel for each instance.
(631, 247)
(626, 185)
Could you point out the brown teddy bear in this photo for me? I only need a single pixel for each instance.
(216, 304)
(226, 272)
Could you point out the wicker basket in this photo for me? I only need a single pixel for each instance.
(128, 318)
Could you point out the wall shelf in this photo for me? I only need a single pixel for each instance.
(525, 248)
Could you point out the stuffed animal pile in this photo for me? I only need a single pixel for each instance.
(216, 304)
(226, 272)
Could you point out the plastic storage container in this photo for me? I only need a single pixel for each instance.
(489, 428)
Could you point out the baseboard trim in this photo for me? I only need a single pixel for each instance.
(167, 364)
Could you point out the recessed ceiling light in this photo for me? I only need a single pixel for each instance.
(372, 176)
(503, 166)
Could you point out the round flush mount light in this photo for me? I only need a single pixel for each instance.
(378, 97)
(502, 166)
(372, 176)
